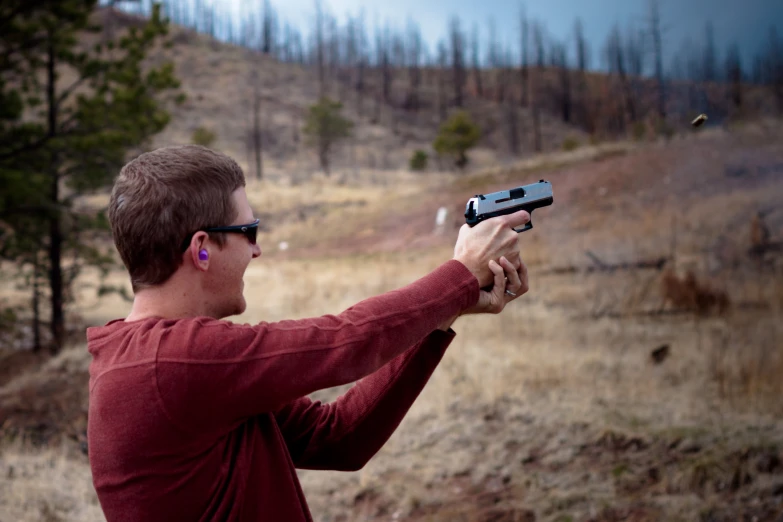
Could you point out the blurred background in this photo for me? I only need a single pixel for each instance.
(639, 379)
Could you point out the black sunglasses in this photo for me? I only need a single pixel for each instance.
(250, 231)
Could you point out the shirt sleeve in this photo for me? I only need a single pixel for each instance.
(345, 434)
(212, 373)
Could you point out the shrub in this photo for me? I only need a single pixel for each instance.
(664, 129)
(570, 143)
(418, 160)
(203, 136)
(639, 130)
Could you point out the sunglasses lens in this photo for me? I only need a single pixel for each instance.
(251, 234)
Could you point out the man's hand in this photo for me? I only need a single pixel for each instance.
(508, 276)
(490, 239)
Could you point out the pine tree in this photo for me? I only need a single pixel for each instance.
(456, 136)
(325, 126)
(70, 112)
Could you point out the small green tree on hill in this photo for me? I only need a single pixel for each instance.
(325, 127)
(418, 160)
(457, 135)
(203, 136)
(70, 112)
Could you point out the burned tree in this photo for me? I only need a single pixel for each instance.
(582, 63)
(494, 59)
(536, 80)
(383, 70)
(559, 62)
(524, 55)
(414, 55)
(361, 62)
(616, 59)
(457, 40)
(773, 67)
(474, 46)
(509, 109)
(709, 71)
(442, 64)
(733, 75)
(655, 33)
(320, 50)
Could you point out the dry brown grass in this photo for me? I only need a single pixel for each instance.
(688, 294)
(524, 380)
(48, 485)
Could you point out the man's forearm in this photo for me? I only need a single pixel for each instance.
(447, 324)
(345, 434)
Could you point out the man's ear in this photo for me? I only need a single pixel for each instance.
(199, 251)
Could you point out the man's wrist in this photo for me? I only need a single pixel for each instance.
(447, 324)
(477, 274)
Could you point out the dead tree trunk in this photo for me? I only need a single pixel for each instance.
(524, 84)
(617, 65)
(734, 75)
(510, 107)
(535, 85)
(457, 59)
(319, 44)
(476, 65)
(414, 50)
(581, 94)
(256, 132)
(441, 72)
(655, 34)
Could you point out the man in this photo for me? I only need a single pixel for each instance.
(193, 417)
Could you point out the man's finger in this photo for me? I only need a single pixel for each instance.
(513, 277)
(517, 218)
(500, 282)
(515, 258)
(522, 271)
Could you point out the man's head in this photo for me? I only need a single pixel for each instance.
(160, 206)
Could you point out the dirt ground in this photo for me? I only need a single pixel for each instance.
(565, 407)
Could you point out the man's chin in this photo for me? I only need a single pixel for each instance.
(241, 306)
(238, 309)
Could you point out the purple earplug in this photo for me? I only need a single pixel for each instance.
(202, 255)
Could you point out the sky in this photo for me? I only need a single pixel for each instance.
(745, 21)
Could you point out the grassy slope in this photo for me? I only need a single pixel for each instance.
(545, 409)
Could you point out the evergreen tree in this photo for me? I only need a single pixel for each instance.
(324, 127)
(71, 109)
(456, 136)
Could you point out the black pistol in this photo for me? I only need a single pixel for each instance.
(527, 197)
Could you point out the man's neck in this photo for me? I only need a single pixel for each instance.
(169, 301)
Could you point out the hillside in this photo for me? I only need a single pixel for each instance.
(219, 81)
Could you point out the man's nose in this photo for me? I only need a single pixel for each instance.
(256, 250)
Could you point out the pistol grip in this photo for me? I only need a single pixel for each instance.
(527, 226)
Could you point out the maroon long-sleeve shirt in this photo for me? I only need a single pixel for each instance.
(203, 419)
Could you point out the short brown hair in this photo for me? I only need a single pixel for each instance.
(162, 196)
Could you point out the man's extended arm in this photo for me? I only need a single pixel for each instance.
(214, 373)
(345, 434)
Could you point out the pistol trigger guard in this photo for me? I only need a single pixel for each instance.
(527, 226)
